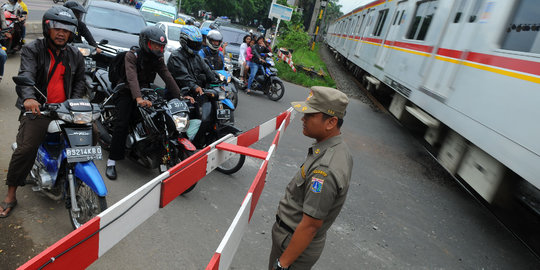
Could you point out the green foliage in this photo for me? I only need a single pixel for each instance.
(295, 39)
(243, 10)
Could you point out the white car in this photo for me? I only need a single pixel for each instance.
(172, 32)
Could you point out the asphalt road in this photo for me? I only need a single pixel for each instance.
(403, 211)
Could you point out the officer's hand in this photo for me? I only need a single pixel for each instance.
(143, 102)
(199, 90)
(98, 50)
(32, 105)
(189, 98)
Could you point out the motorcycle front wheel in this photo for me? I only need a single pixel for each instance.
(232, 165)
(276, 90)
(89, 202)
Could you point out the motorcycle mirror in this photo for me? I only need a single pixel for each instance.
(104, 42)
(23, 81)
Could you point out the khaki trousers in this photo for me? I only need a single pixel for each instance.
(306, 260)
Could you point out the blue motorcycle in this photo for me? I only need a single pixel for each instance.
(231, 92)
(267, 81)
(64, 167)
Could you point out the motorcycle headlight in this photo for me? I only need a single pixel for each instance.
(221, 77)
(66, 117)
(222, 95)
(82, 117)
(85, 51)
(181, 121)
(229, 79)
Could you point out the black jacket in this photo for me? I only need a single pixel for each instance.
(190, 70)
(256, 50)
(35, 64)
(83, 31)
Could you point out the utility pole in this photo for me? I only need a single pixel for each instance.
(313, 21)
(318, 22)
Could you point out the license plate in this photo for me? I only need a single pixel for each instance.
(82, 154)
(223, 114)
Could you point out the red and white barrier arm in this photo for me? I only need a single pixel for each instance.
(286, 59)
(229, 244)
(85, 245)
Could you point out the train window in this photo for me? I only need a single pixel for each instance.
(459, 11)
(476, 10)
(422, 19)
(402, 17)
(522, 32)
(360, 24)
(380, 22)
(395, 18)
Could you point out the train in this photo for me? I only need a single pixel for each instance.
(466, 75)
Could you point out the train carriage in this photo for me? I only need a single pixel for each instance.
(468, 71)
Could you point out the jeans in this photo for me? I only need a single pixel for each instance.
(253, 67)
(3, 58)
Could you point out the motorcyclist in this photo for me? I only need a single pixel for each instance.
(256, 59)
(214, 39)
(82, 29)
(13, 7)
(58, 71)
(141, 68)
(204, 33)
(188, 68)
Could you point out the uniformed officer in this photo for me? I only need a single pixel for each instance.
(315, 196)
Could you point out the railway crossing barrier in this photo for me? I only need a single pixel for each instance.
(83, 246)
(287, 58)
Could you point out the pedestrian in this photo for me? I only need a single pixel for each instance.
(58, 71)
(316, 194)
(3, 54)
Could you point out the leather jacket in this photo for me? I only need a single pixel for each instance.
(35, 64)
(188, 70)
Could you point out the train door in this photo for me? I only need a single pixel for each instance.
(358, 37)
(391, 34)
(364, 32)
(452, 48)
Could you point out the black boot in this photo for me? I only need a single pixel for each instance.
(111, 172)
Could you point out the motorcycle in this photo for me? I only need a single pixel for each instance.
(266, 80)
(64, 167)
(97, 84)
(216, 112)
(14, 28)
(231, 92)
(158, 136)
(56, 1)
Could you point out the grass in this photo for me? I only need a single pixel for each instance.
(305, 57)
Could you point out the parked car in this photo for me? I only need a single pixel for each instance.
(154, 12)
(172, 32)
(117, 23)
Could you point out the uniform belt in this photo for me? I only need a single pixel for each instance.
(282, 224)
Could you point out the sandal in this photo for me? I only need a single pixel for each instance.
(5, 206)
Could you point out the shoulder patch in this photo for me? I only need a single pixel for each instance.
(316, 185)
(320, 172)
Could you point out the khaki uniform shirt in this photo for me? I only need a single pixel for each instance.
(320, 187)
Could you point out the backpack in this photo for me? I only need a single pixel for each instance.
(117, 67)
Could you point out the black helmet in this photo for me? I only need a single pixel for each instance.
(75, 7)
(12, 2)
(154, 34)
(59, 17)
(212, 36)
(190, 39)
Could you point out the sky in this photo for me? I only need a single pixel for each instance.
(349, 5)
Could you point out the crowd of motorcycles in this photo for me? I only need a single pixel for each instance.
(160, 137)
